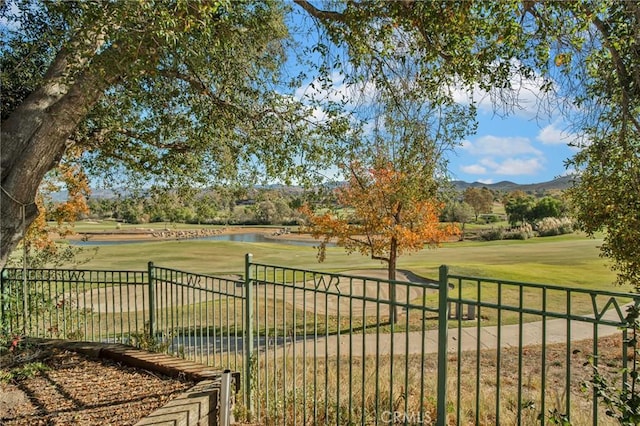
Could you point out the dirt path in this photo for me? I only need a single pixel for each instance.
(160, 233)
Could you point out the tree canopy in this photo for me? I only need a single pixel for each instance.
(480, 199)
(585, 55)
(183, 90)
(383, 214)
(168, 91)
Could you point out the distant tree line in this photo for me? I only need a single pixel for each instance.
(281, 207)
(524, 209)
(477, 204)
(254, 207)
(543, 214)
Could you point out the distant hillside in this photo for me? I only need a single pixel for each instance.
(60, 196)
(561, 183)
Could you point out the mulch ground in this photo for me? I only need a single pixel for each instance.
(75, 390)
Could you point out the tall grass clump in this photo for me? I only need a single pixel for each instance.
(493, 234)
(523, 232)
(550, 226)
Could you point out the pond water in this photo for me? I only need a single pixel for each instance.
(251, 237)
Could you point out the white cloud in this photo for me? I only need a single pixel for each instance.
(318, 94)
(466, 144)
(509, 156)
(518, 166)
(318, 115)
(553, 135)
(336, 90)
(500, 146)
(474, 169)
(506, 167)
(480, 97)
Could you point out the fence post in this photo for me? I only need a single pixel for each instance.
(248, 335)
(152, 318)
(443, 328)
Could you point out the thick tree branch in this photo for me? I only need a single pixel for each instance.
(624, 78)
(198, 85)
(323, 15)
(381, 258)
(151, 141)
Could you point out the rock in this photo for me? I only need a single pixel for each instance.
(11, 399)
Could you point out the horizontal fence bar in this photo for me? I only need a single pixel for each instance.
(87, 305)
(527, 351)
(577, 290)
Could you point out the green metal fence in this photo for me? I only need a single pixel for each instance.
(199, 317)
(327, 354)
(524, 357)
(74, 304)
(318, 348)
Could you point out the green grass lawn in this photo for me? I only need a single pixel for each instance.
(571, 260)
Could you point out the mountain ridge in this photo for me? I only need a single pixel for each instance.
(560, 183)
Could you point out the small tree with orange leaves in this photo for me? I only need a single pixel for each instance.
(386, 214)
(38, 247)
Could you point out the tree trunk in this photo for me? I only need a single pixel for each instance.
(34, 139)
(393, 257)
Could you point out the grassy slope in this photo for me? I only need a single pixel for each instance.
(566, 260)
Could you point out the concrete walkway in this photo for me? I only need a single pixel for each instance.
(464, 339)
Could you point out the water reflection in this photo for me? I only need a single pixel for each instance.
(251, 237)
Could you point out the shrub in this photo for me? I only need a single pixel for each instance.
(23, 372)
(144, 340)
(517, 235)
(550, 226)
(523, 232)
(489, 218)
(493, 234)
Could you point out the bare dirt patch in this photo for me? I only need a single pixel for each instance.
(76, 390)
(154, 233)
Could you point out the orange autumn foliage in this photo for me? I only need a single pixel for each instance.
(77, 185)
(39, 235)
(385, 215)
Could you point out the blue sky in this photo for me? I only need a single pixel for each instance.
(528, 145)
(518, 148)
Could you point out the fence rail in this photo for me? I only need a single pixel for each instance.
(75, 304)
(319, 348)
(198, 316)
